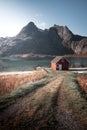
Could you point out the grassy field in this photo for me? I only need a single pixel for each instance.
(76, 99)
(54, 100)
(10, 82)
(15, 86)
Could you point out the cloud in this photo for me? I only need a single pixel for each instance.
(42, 25)
(39, 20)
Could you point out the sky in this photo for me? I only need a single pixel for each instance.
(15, 14)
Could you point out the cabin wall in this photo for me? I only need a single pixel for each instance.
(62, 64)
(65, 65)
(53, 66)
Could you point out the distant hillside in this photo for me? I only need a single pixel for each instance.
(57, 40)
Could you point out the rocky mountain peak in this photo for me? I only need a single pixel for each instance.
(29, 29)
(64, 32)
(31, 25)
(57, 40)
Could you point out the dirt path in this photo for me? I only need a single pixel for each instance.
(40, 110)
(32, 110)
(65, 115)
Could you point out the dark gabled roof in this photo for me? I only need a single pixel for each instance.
(57, 58)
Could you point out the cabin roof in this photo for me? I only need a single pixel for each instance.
(58, 58)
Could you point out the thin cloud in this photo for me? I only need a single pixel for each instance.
(42, 25)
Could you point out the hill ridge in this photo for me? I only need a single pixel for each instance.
(57, 40)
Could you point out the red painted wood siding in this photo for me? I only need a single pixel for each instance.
(63, 62)
(53, 66)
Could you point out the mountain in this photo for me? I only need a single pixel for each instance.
(57, 40)
(76, 42)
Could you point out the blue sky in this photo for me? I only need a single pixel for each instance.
(15, 14)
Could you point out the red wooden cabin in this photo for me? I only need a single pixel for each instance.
(60, 63)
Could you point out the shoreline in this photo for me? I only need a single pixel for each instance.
(17, 72)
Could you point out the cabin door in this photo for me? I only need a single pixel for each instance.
(60, 66)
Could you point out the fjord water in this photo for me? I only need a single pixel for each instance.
(21, 64)
(77, 62)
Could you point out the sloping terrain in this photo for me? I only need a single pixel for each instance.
(36, 41)
(76, 42)
(56, 105)
(57, 40)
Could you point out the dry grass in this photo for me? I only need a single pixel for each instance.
(10, 98)
(33, 82)
(39, 80)
(82, 80)
(77, 102)
(10, 82)
(52, 101)
(33, 108)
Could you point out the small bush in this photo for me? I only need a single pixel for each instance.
(82, 80)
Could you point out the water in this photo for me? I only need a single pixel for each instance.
(77, 62)
(20, 64)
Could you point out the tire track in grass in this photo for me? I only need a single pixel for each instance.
(33, 111)
(65, 115)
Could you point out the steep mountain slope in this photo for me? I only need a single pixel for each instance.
(77, 43)
(57, 40)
